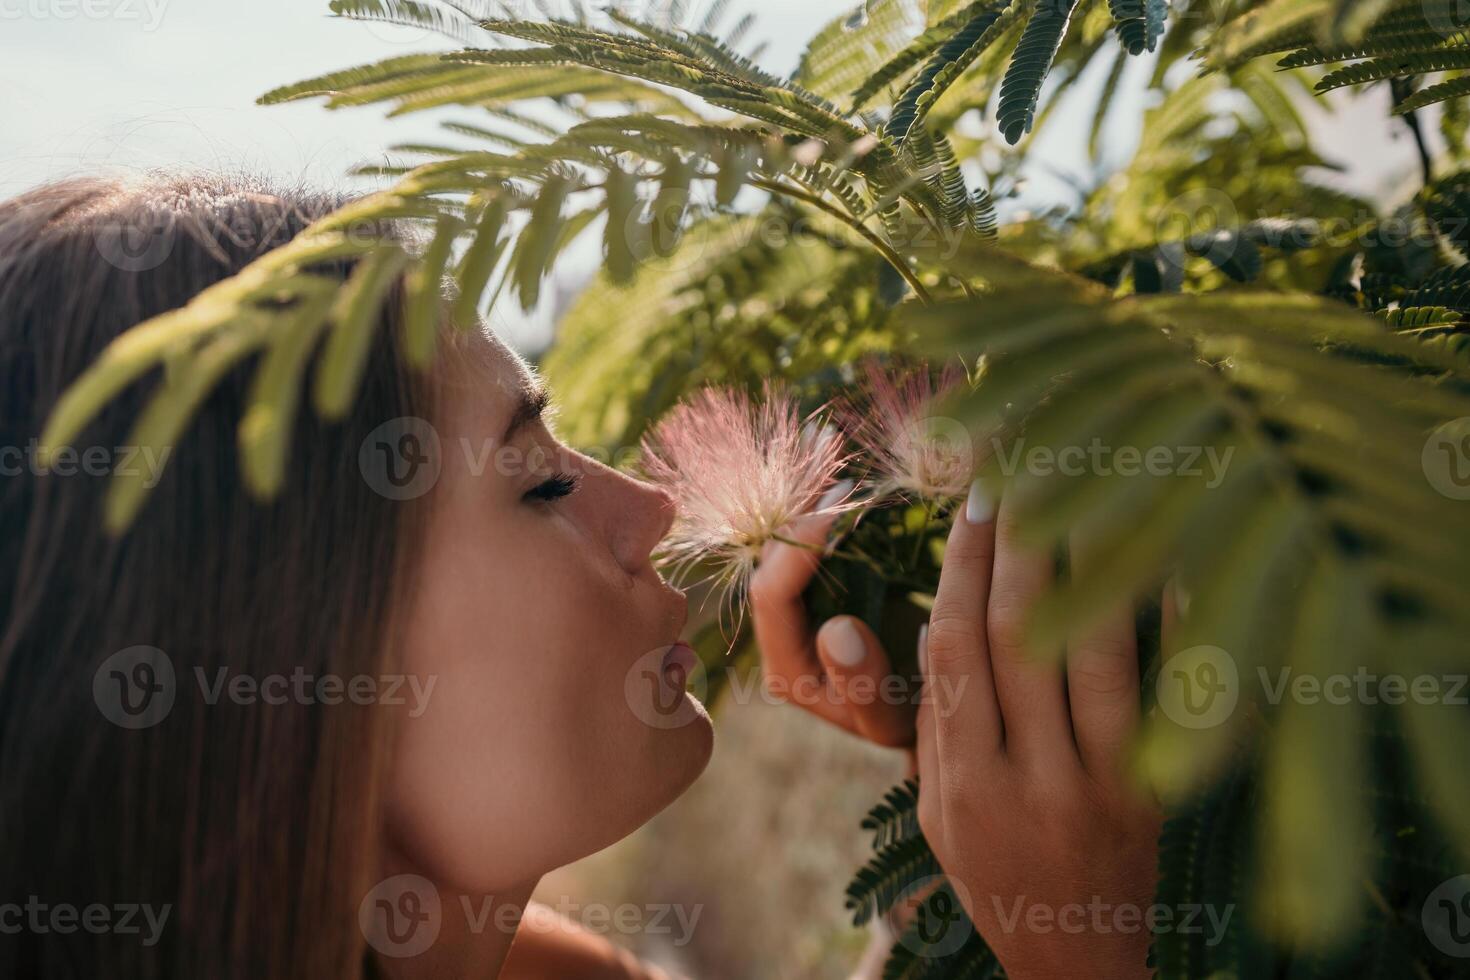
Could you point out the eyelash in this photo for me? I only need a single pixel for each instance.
(554, 487)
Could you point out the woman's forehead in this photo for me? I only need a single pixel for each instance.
(486, 373)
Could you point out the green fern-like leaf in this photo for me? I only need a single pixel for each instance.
(1138, 23)
(1394, 67)
(926, 950)
(1277, 25)
(1420, 319)
(946, 65)
(354, 318)
(480, 259)
(1021, 87)
(896, 816)
(535, 247)
(408, 13)
(1406, 44)
(844, 55)
(891, 875)
(918, 50)
(1203, 863)
(1455, 88)
(1447, 204)
(1449, 287)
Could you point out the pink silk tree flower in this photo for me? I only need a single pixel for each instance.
(740, 470)
(911, 452)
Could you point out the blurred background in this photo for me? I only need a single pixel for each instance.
(762, 847)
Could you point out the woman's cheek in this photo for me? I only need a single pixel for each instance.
(489, 783)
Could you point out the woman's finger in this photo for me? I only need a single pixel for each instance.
(926, 737)
(1102, 679)
(1030, 690)
(778, 615)
(966, 716)
(926, 756)
(858, 674)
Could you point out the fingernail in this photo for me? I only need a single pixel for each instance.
(1181, 597)
(924, 649)
(978, 506)
(845, 644)
(835, 494)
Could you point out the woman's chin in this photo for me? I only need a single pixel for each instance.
(695, 742)
(675, 737)
(681, 754)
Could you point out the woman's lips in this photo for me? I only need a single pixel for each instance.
(679, 662)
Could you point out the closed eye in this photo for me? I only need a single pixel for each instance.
(554, 487)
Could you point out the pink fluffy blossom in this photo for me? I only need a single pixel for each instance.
(911, 451)
(740, 470)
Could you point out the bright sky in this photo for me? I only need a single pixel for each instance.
(129, 85)
(133, 84)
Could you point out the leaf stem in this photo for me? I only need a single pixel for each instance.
(852, 554)
(884, 249)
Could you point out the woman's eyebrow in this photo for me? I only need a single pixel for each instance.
(531, 403)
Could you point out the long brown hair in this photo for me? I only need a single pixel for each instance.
(252, 825)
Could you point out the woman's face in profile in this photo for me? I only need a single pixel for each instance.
(556, 724)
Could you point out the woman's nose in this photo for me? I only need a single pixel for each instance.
(653, 512)
(638, 516)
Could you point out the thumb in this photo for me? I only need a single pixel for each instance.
(880, 708)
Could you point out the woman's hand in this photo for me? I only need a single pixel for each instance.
(838, 672)
(1023, 794)
(1022, 791)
